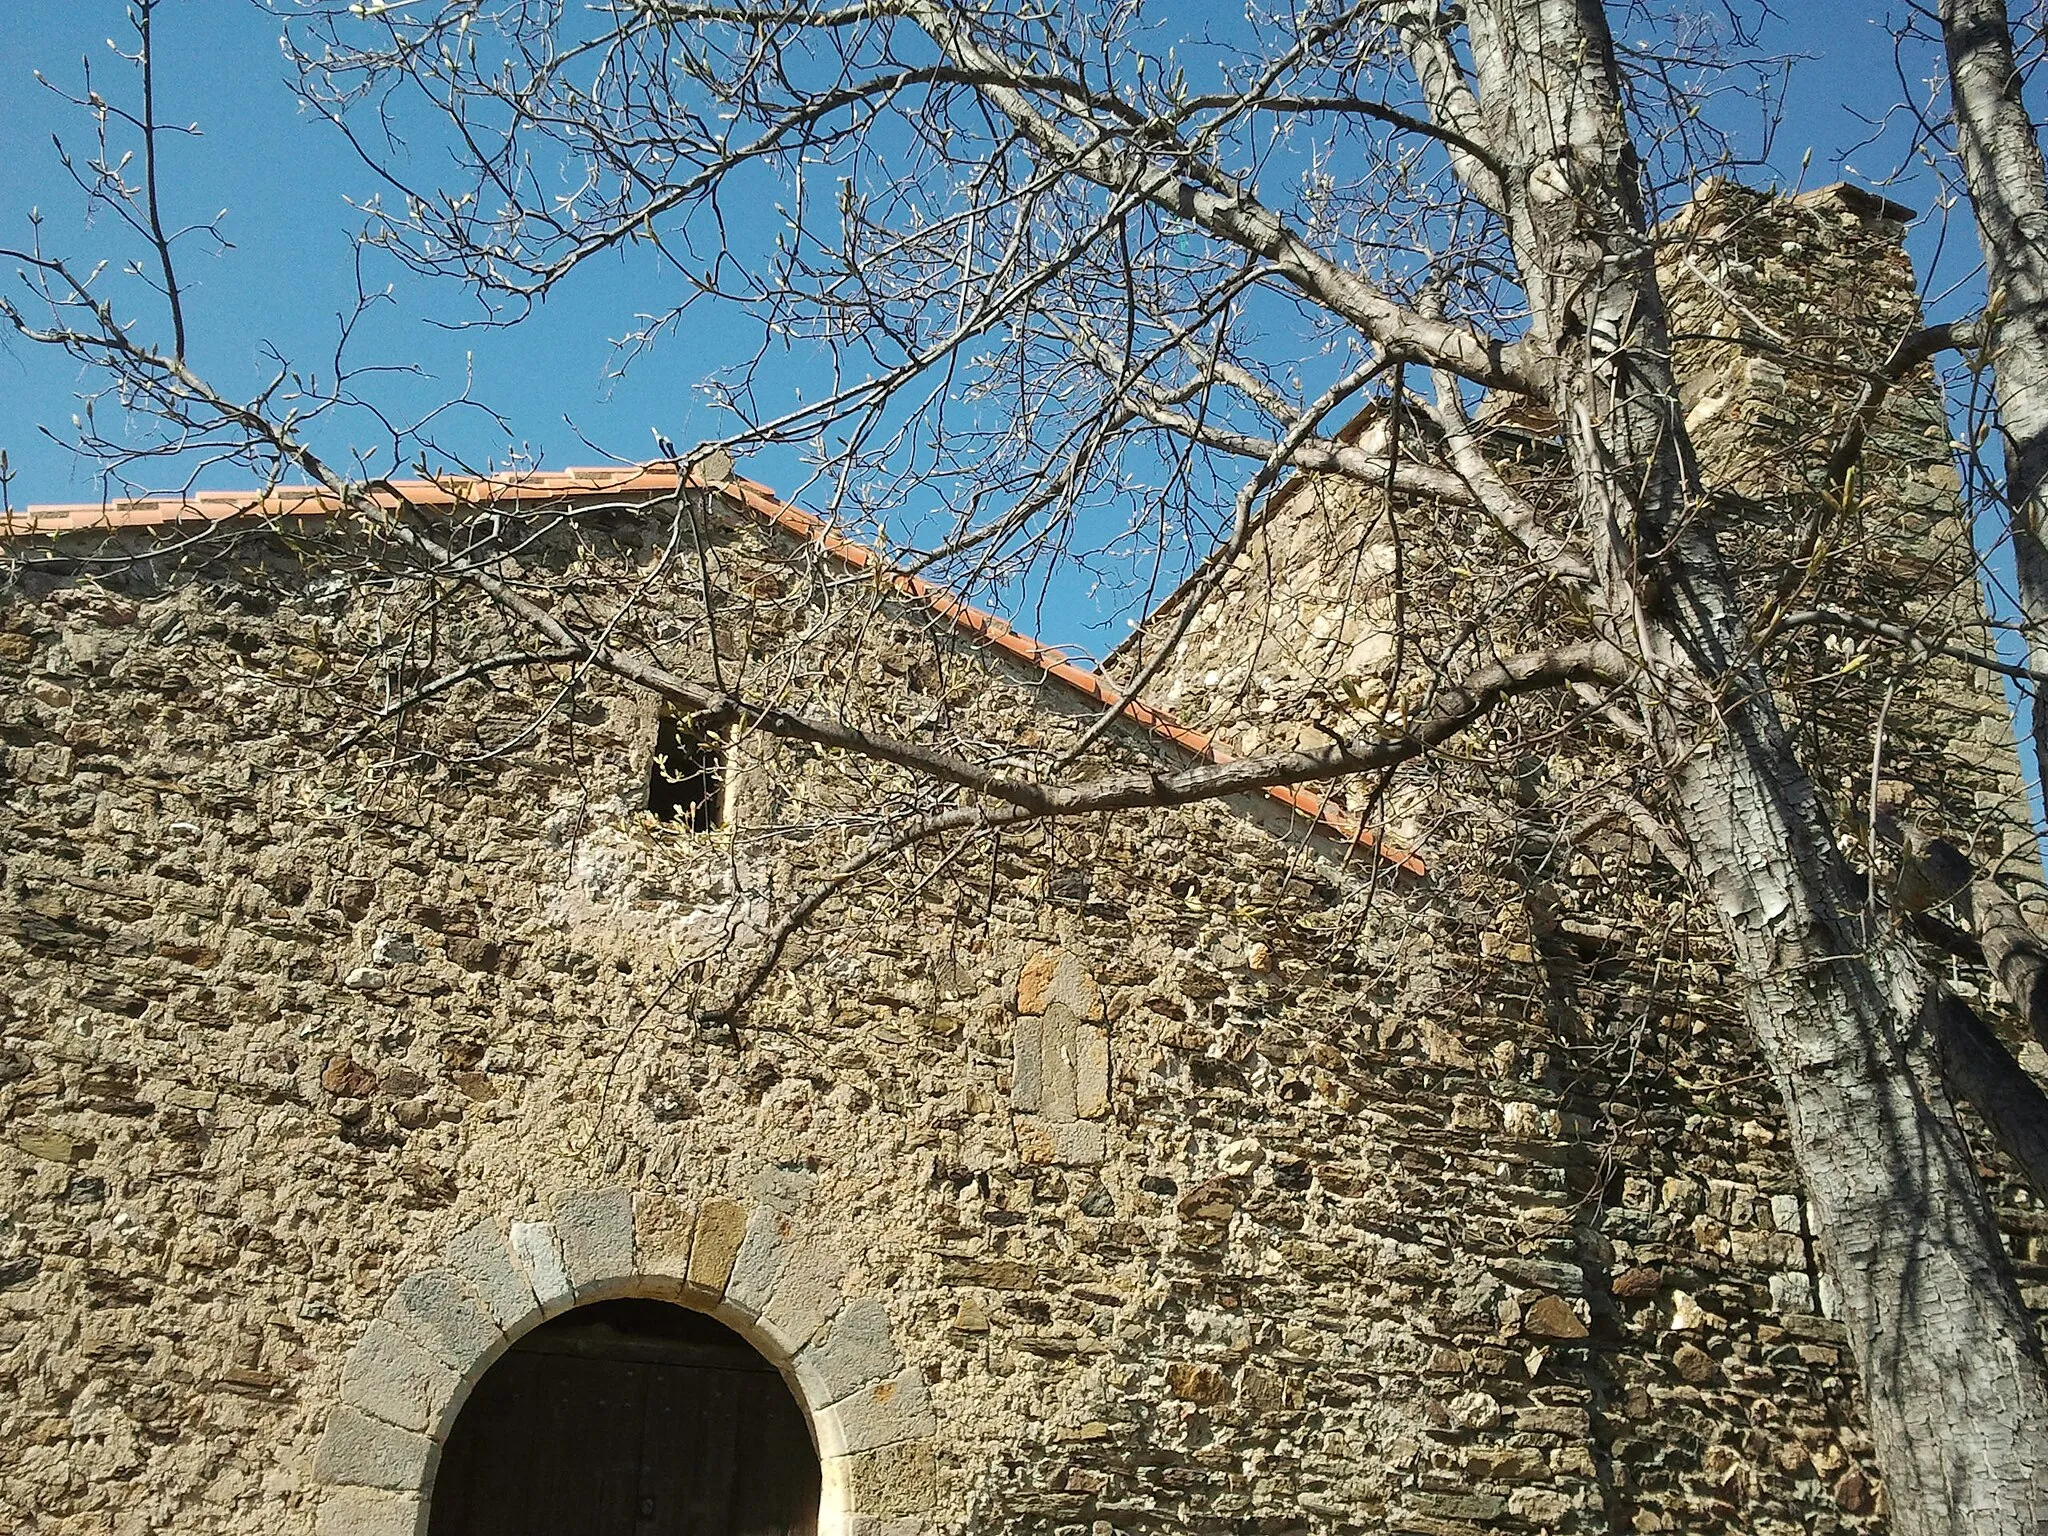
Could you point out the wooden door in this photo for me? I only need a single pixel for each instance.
(628, 1418)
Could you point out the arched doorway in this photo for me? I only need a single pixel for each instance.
(628, 1418)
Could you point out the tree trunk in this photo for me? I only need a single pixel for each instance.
(1848, 1022)
(1844, 1016)
(2009, 196)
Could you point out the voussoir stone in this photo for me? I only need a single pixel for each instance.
(594, 1231)
(857, 1349)
(884, 1413)
(480, 1256)
(898, 1480)
(391, 1376)
(758, 1264)
(533, 1245)
(367, 1512)
(721, 1229)
(661, 1235)
(446, 1316)
(805, 1298)
(363, 1452)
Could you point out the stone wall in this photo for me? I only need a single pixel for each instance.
(1163, 1172)
(1779, 308)
(1204, 1181)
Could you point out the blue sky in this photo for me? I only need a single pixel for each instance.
(282, 181)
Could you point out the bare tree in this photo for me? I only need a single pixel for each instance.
(1998, 152)
(1085, 285)
(2000, 157)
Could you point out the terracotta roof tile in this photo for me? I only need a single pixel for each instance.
(651, 482)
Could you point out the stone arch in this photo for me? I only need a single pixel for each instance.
(757, 1271)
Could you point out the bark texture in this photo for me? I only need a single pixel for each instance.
(2009, 196)
(1977, 1062)
(2014, 952)
(1845, 1017)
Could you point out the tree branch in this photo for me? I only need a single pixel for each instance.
(1514, 515)
(959, 819)
(157, 236)
(1452, 101)
(440, 684)
(1458, 703)
(2016, 954)
(1906, 635)
(1235, 216)
(1977, 1066)
(1910, 353)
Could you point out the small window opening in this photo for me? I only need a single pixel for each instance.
(686, 783)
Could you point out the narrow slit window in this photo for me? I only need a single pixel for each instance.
(686, 782)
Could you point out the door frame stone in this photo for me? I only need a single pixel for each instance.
(771, 1280)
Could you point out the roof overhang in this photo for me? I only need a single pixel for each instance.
(454, 495)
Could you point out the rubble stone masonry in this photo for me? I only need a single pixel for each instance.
(1179, 1171)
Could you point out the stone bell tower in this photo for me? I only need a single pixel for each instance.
(1781, 307)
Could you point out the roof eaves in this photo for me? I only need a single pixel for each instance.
(1055, 664)
(651, 482)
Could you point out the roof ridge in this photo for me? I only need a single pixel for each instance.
(653, 481)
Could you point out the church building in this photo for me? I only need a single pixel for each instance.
(419, 1115)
